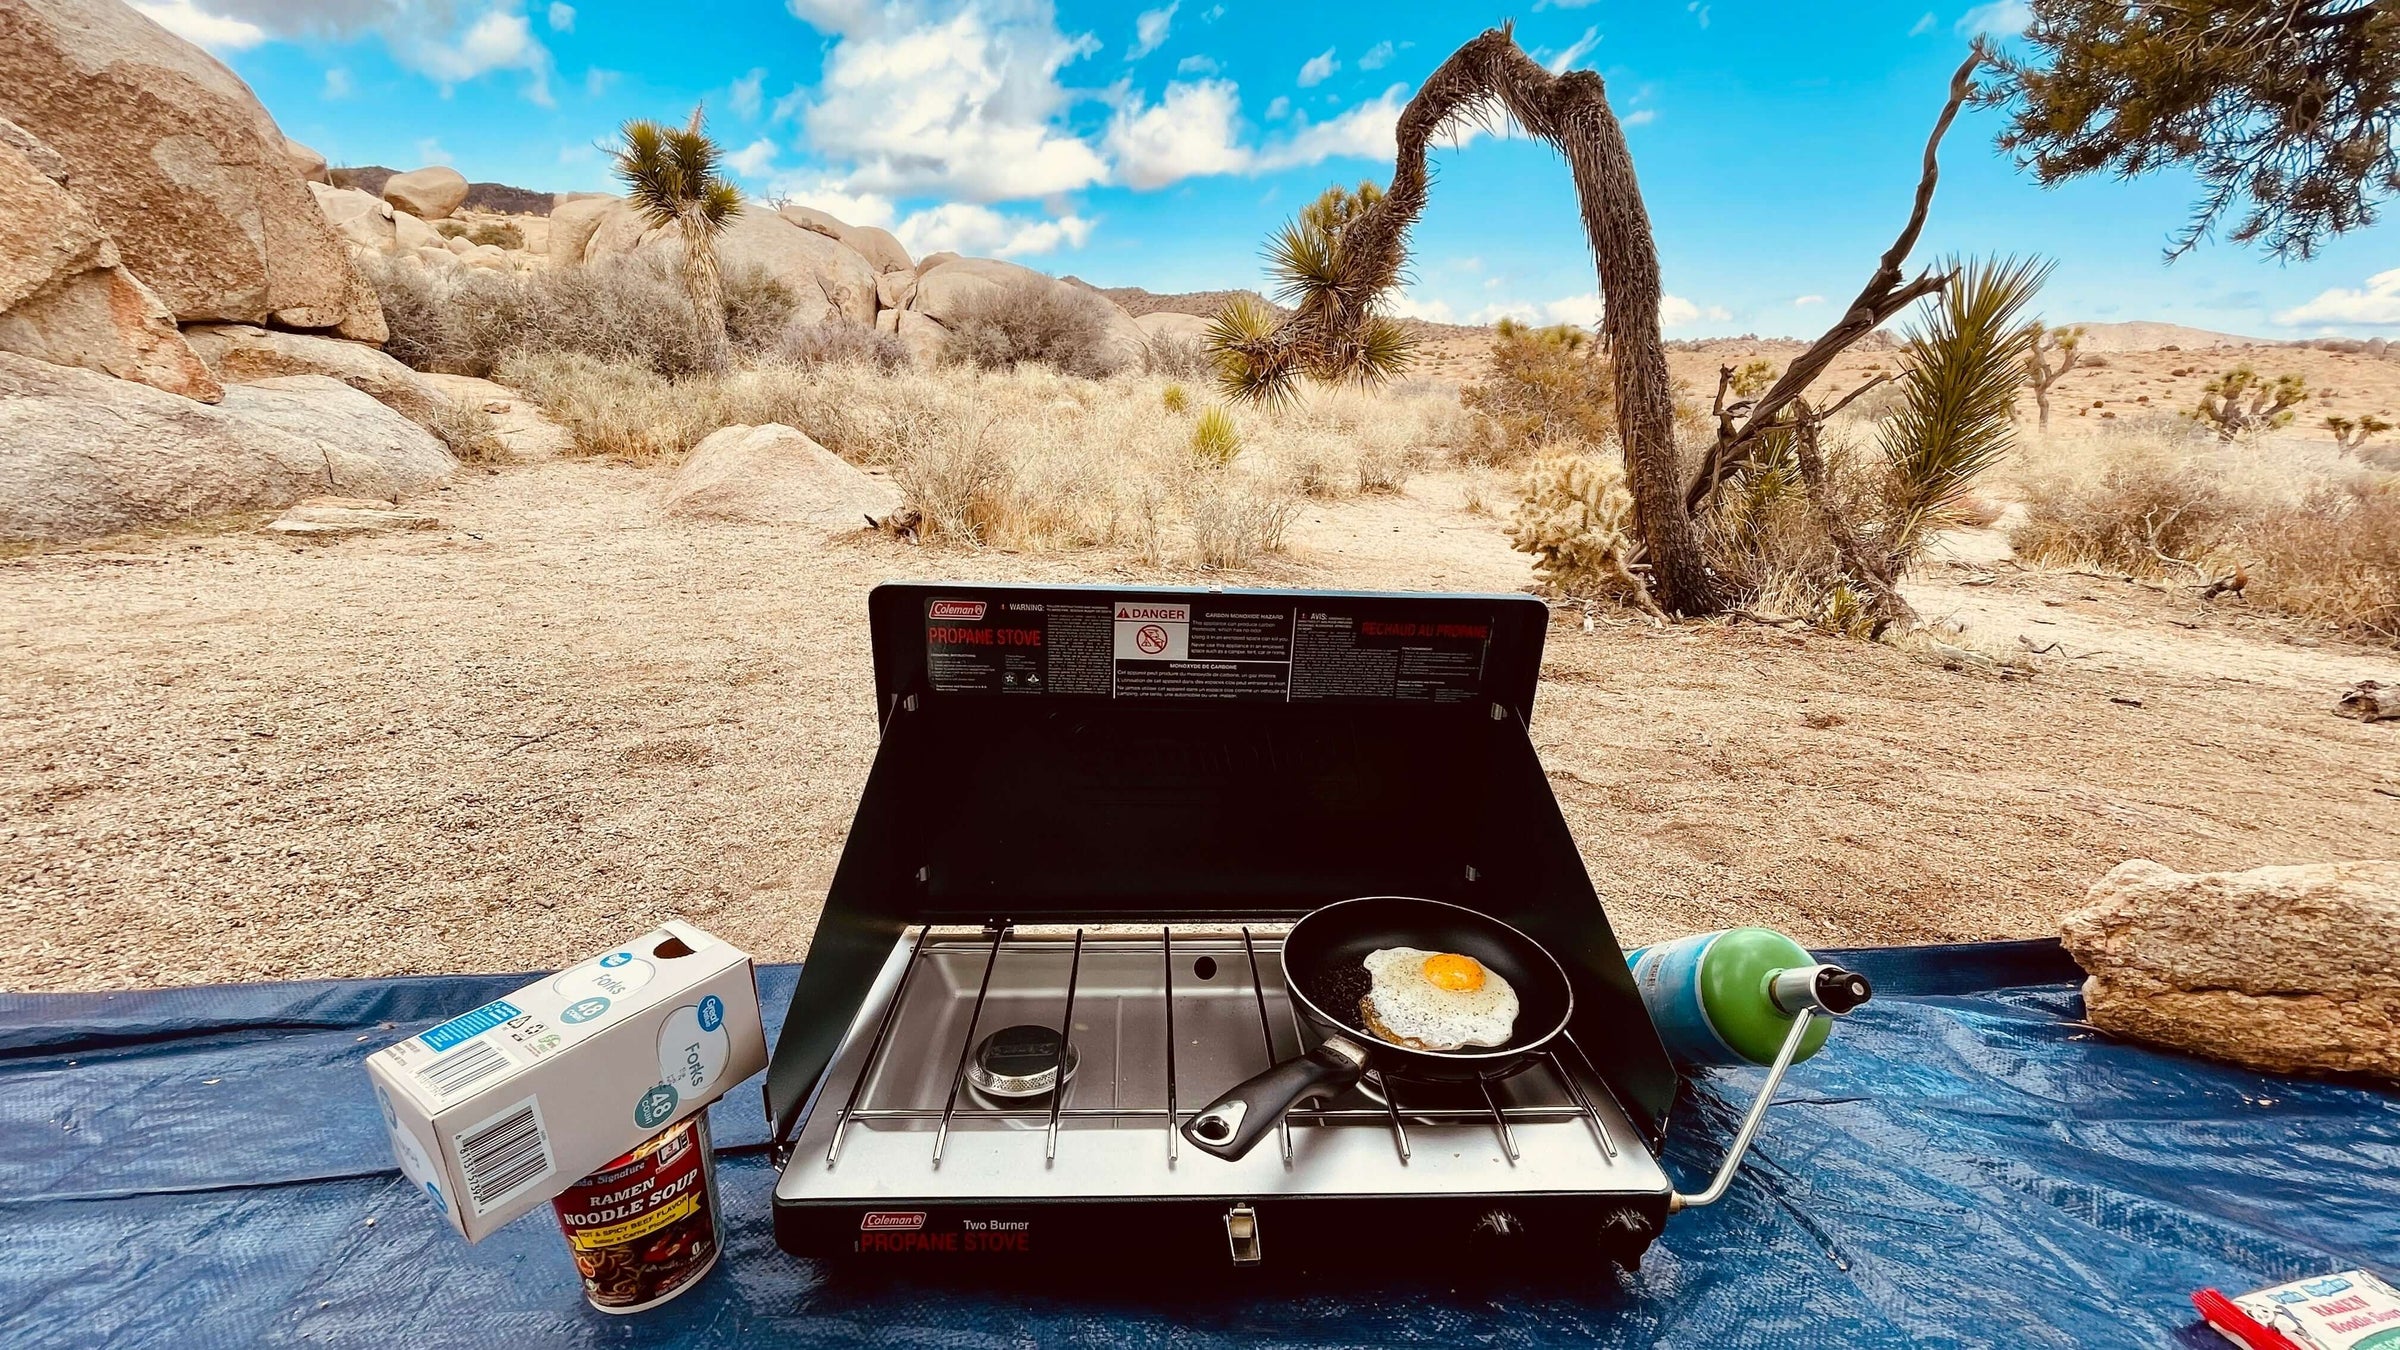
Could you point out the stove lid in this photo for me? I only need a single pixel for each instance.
(1151, 647)
(1086, 755)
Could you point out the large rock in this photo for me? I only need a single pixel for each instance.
(924, 337)
(175, 158)
(616, 233)
(430, 193)
(2289, 969)
(1166, 323)
(813, 220)
(830, 277)
(361, 218)
(882, 250)
(239, 354)
(775, 475)
(65, 298)
(82, 454)
(410, 233)
(306, 162)
(893, 289)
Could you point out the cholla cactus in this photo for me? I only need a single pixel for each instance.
(1576, 520)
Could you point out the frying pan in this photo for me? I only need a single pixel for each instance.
(1322, 959)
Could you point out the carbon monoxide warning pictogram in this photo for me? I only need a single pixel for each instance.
(1148, 631)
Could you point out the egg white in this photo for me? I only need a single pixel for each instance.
(1416, 1009)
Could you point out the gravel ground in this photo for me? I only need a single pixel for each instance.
(500, 745)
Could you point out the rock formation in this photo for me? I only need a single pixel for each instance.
(87, 454)
(171, 153)
(774, 475)
(428, 194)
(2288, 969)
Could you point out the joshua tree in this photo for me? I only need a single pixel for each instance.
(2352, 436)
(1492, 75)
(2241, 400)
(1348, 341)
(2066, 343)
(2285, 109)
(672, 178)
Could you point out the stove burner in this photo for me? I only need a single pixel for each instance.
(1018, 1063)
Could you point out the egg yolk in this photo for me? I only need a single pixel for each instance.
(1458, 974)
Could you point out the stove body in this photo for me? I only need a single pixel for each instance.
(1097, 810)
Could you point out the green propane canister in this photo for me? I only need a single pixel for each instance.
(1730, 997)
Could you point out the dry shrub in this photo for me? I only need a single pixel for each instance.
(2146, 509)
(837, 342)
(469, 432)
(470, 321)
(758, 308)
(499, 233)
(1177, 358)
(2335, 559)
(1543, 387)
(615, 409)
(1033, 319)
(1233, 523)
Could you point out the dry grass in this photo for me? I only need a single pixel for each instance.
(2314, 535)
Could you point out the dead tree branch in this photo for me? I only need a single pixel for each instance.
(1884, 295)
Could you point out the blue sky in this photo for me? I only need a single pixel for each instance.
(1156, 145)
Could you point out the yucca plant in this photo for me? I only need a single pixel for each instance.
(1345, 340)
(1215, 440)
(1174, 399)
(1958, 400)
(672, 177)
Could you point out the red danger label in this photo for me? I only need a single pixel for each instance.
(956, 609)
(885, 1221)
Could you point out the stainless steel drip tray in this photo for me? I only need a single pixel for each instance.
(1163, 1021)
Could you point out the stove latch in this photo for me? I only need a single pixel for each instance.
(1241, 1233)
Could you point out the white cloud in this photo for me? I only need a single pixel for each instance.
(448, 41)
(1190, 132)
(430, 151)
(596, 81)
(2001, 18)
(1197, 64)
(1376, 57)
(743, 98)
(1922, 26)
(562, 17)
(1278, 108)
(1806, 300)
(1319, 68)
(1576, 51)
(2377, 305)
(752, 160)
(1407, 305)
(1641, 117)
(1368, 130)
(1698, 11)
(967, 106)
(980, 231)
(814, 189)
(337, 83)
(1584, 311)
(191, 23)
(1150, 29)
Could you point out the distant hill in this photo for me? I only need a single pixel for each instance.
(2144, 335)
(1138, 302)
(515, 201)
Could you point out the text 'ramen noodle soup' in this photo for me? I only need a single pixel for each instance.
(644, 1228)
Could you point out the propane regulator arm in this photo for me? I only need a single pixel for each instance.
(1808, 993)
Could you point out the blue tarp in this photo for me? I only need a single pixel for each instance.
(1968, 1165)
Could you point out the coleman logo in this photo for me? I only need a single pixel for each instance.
(956, 609)
(887, 1221)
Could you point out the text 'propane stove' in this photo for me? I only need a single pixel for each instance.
(1057, 930)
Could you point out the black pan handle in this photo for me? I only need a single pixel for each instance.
(1233, 1124)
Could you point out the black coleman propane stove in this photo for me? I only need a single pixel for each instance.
(1056, 928)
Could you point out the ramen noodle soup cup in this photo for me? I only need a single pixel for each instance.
(645, 1228)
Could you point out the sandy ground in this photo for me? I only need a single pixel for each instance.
(498, 745)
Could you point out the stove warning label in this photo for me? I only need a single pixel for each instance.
(1213, 649)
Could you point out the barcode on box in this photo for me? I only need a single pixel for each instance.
(504, 1155)
(456, 1072)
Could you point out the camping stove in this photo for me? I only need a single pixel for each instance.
(1093, 816)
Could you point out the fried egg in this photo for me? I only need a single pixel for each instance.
(1436, 1000)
